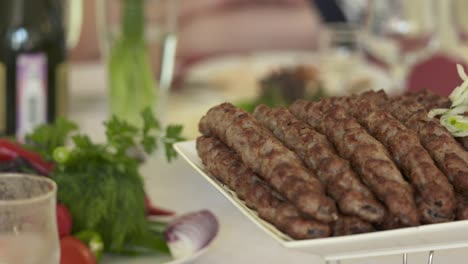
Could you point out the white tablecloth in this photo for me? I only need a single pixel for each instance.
(178, 187)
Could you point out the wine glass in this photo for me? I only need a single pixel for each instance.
(28, 227)
(341, 58)
(399, 33)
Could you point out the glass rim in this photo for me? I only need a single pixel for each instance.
(39, 198)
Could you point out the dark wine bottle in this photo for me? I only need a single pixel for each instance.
(32, 65)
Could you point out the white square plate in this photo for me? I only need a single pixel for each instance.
(404, 240)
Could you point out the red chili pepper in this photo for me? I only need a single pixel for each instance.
(10, 150)
(153, 210)
(7, 154)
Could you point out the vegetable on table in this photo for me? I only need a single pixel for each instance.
(73, 251)
(101, 184)
(191, 232)
(93, 240)
(64, 220)
(47, 138)
(10, 150)
(152, 210)
(19, 165)
(454, 118)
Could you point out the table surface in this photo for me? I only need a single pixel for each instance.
(179, 187)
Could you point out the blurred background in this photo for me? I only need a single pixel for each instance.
(181, 57)
(89, 59)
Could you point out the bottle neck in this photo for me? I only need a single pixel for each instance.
(31, 12)
(32, 24)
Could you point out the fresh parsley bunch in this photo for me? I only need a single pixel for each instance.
(101, 184)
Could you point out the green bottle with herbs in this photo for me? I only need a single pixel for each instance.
(132, 86)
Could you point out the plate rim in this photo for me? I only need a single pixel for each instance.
(308, 243)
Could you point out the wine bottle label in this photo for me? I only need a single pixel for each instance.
(2, 99)
(31, 92)
(61, 90)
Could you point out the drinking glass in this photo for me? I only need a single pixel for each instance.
(399, 33)
(158, 19)
(28, 228)
(341, 58)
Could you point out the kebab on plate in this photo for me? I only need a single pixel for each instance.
(383, 160)
(270, 159)
(224, 163)
(335, 173)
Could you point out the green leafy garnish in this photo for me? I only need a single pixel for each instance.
(46, 138)
(173, 135)
(100, 183)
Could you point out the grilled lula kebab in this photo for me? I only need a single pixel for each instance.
(435, 195)
(448, 154)
(270, 159)
(368, 156)
(224, 164)
(336, 174)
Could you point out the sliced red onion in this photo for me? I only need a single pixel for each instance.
(191, 232)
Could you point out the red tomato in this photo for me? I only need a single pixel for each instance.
(73, 251)
(64, 220)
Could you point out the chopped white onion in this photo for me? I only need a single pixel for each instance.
(459, 110)
(461, 72)
(456, 124)
(437, 112)
(453, 118)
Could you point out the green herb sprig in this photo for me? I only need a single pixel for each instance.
(101, 184)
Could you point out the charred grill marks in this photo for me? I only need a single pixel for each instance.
(225, 165)
(367, 155)
(435, 195)
(271, 160)
(353, 197)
